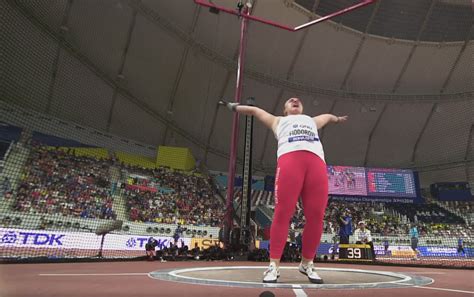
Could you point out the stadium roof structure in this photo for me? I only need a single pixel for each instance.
(153, 71)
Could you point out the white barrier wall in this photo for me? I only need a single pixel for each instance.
(32, 222)
(21, 238)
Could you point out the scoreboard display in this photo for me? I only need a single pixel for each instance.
(345, 180)
(355, 252)
(390, 182)
(371, 182)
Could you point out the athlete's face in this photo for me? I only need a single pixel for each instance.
(293, 106)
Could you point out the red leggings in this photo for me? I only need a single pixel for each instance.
(299, 173)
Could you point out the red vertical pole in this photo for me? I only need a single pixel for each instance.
(235, 125)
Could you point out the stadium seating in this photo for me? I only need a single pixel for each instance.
(384, 219)
(427, 213)
(55, 181)
(171, 196)
(464, 208)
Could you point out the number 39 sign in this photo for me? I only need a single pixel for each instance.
(354, 252)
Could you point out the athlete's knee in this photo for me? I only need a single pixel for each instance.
(282, 217)
(315, 214)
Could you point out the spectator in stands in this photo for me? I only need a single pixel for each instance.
(5, 187)
(363, 236)
(345, 226)
(386, 245)
(6, 221)
(414, 235)
(57, 182)
(184, 198)
(43, 224)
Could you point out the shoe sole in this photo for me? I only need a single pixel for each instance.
(313, 281)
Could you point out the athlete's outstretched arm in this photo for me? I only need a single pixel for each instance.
(324, 119)
(269, 120)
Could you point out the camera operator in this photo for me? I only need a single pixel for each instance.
(345, 226)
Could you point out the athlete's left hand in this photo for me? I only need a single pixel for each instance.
(342, 119)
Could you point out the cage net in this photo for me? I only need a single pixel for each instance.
(82, 175)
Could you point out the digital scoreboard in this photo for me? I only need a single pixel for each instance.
(371, 182)
(390, 182)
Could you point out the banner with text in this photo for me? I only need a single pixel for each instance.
(77, 240)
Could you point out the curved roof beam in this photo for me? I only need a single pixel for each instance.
(179, 74)
(214, 116)
(284, 27)
(371, 134)
(122, 90)
(331, 110)
(418, 139)
(55, 65)
(435, 106)
(469, 149)
(361, 43)
(456, 62)
(123, 59)
(286, 83)
(415, 45)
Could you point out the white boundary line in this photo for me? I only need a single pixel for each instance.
(421, 272)
(445, 289)
(92, 274)
(296, 288)
(176, 273)
(298, 291)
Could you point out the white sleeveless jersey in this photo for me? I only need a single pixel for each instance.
(298, 133)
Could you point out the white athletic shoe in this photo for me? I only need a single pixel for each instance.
(271, 274)
(308, 270)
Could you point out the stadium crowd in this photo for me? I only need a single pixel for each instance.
(386, 220)
(170, 196)
(374, 214)
(56, 181)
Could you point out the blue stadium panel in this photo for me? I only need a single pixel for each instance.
(51, 140)
(9, 133)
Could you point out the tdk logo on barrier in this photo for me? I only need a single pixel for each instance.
(9, 237)
(141, 241)
(131, 243)
(12, 237)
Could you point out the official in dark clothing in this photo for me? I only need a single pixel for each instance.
(345, 227)
(150, 247)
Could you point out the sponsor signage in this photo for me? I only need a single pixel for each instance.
(372, 199)
(204, 243)
(77, 240)
(395, 250)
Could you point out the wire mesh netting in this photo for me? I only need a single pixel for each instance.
(437, 21)
(82, 118)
